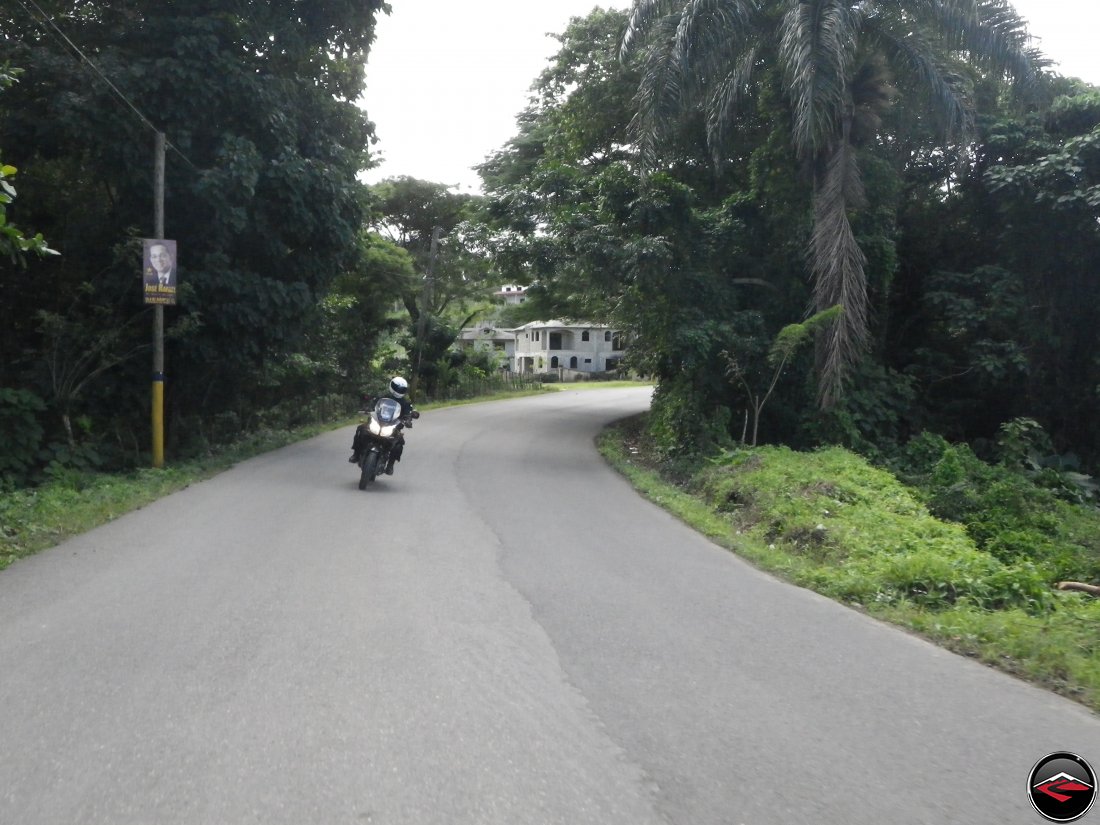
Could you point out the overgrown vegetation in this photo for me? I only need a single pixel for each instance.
(969, 558)
(965, 322)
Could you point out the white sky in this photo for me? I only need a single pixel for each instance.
(446, 79)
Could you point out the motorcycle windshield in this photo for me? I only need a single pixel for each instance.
(387, 410)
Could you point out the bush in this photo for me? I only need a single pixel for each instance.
(875, 540)
(19, 448)
(1006, 513)
(875, 409)
(679, 424)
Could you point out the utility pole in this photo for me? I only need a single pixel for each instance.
(158, 309)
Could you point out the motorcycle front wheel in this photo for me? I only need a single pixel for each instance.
(370, 469)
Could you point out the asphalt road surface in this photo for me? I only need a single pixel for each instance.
(502, 632)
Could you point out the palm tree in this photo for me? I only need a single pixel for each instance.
(835, 60)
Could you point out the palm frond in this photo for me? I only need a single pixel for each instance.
(708, 26)
(688, 52)
(723, 103)
(913, 55)
(992, 35)
(837, 264)
(643, 17)
(1011, 45)
(816, 50)
(726, 38)
(661, 96)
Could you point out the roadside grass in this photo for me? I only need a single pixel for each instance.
(831, 522)
(73, 502)
(596, 385)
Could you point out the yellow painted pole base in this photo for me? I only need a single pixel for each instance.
(158, 421)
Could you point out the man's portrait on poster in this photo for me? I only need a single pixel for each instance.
(159, 271)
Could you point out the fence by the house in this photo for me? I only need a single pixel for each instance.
(467, 387)
(566, 375)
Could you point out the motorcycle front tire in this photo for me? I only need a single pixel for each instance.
(370, 469)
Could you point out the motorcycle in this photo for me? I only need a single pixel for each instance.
(382, 433)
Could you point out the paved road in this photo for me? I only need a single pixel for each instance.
(502, 632)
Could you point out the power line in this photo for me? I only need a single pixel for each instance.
(49, 22)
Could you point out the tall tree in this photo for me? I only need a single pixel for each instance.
(681, 260)
(840, 64)
(410, 213)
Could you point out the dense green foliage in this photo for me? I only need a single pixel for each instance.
(839, 68)
(978, 255)
(258, 104)
(1010, 511)
(996, 292)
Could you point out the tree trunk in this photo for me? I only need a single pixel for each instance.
(68, 430)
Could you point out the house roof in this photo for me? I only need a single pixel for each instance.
(559, 325)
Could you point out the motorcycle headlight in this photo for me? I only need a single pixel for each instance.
(382, 430)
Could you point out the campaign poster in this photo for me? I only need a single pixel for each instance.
(159, 271)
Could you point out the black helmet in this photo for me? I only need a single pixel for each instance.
(398, 386)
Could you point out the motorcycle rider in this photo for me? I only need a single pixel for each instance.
(398, 390)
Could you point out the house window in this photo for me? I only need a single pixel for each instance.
(588, 360)
(498, 345)
(607, 335)
(573, 363)
(617, 341)
(554, 363)
(584, 335)
(555, 340)
(536, 335)
(612, 364)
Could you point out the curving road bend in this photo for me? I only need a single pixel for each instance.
(501, 632)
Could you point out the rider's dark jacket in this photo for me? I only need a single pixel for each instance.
(369, 402)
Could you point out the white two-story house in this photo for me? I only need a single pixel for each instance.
(555, 346)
